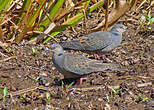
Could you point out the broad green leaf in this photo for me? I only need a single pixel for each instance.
(28, 5)
(4, 92)
(95, 6)
(70, 85)
(36, 13)
(55, 33)
(52, 13)
(3, 4)
(48, 96)
(86, 4)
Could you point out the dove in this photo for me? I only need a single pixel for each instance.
(103, 41)
(76, 65)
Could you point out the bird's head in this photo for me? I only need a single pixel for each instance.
(56, 48)
(119, 27)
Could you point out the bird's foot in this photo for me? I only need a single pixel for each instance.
(81, 80)
(97, 57)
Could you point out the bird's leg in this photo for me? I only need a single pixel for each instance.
(81, 80)
(100, 56)
(97, 57)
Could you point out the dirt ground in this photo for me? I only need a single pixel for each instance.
(29, 77)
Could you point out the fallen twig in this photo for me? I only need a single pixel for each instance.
(88, 88)
(144, 84)
(6, 59)
(11, 94)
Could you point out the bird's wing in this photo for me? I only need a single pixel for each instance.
(79, 65)
(90, 42)
(98, 40)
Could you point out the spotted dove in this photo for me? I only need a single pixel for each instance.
(103, 41)
(75, 65)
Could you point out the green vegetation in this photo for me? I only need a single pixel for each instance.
(24, 20)
(116, 92)
(66, 89)
(48, 96)
(35, 51)
(139, 99)
(146, 21)
(3, 93)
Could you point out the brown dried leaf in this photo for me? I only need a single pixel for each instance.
(1, 34)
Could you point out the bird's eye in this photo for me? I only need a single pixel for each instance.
(53, 47)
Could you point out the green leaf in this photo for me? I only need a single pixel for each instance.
(86, 4)
(149, 16)
(116, 92)
(107, 98)
(52, 13)
(144, 98)
(146, 16)
(36, 13)
(152, 20)
(34, 51)
(4, 92)
(3, 4)
(68, 86)
(55, 33)
(1, 91)
(48, 96)
(95, 6)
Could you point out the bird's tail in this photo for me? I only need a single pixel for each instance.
(75, 45)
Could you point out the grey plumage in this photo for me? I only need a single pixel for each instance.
(74, 65)
(104, 41)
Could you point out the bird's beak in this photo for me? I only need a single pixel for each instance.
(47, 50)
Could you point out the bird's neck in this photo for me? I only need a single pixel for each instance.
(57, 58)
(117, 36)
(59, 54)
(115, 32)
(114, 29)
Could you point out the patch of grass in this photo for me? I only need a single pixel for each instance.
(3, 93)
(48, 96)
(34, 79)
(66, 87)
(146, 21)
(117, 92)
(107, 98)
(25, 99)
(35, 51)
(139, 99)
(66, 90)
(28, 18)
